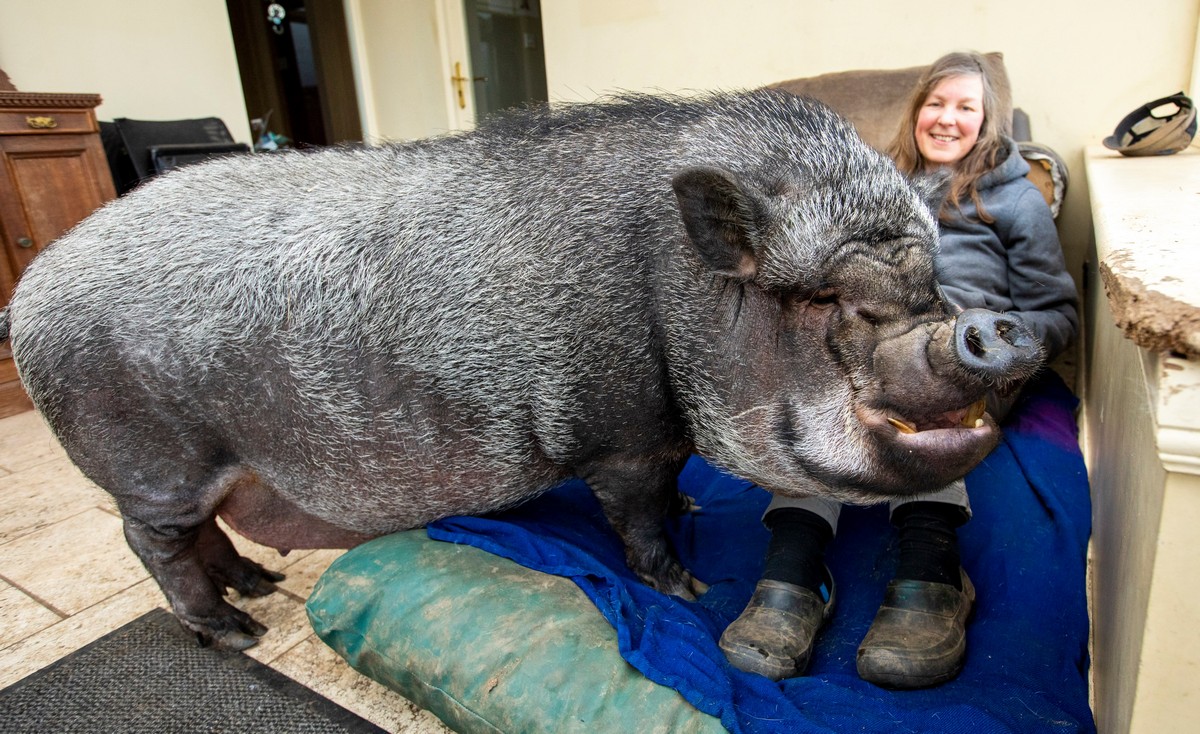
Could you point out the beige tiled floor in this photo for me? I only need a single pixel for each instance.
(67, 578)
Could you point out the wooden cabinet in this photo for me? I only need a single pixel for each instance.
(53, 173)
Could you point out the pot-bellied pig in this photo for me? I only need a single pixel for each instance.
(330, 345)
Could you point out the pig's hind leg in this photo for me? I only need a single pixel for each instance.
(176, 536)
(120, 413)
(637, 496)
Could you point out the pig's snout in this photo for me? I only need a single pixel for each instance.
(995, 347)
(952, 364)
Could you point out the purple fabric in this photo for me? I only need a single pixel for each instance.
(1026, 667)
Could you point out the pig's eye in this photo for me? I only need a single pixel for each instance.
(870, 317)
(824, 299)
(805, 300)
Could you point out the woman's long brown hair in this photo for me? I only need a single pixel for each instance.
(990, 148)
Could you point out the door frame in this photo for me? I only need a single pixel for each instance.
(341, 113)
(456, 61)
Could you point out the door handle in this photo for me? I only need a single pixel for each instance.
(458, 80)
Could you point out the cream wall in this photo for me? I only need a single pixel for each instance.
(171, 59)
(148, 59)
(1077, 66)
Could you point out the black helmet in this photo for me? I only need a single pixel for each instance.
(1143, 132)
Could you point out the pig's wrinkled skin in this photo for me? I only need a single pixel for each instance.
(328, 346)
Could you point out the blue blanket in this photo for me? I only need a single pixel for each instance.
(1026, 668)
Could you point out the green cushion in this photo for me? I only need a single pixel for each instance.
(485, 644)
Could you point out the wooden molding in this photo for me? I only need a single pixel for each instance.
(48, 99)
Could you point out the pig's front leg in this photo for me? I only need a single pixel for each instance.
(637, 494)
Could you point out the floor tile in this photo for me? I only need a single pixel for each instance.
(26, 441)
(285, 618)
(303, 575)
(40, 496)
(313, 664)
(21, 616)
(74, 563)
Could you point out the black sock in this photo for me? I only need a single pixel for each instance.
(796, 554)
(928, 542)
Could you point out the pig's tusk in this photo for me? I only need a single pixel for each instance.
(974, 416)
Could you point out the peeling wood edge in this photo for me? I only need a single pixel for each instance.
(1149, 318)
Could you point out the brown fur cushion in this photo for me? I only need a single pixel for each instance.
(873, 100)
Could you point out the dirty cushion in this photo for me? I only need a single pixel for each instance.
(483, 644)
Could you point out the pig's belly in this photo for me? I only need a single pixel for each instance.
(294, 512)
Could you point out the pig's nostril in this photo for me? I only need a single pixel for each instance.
(1003, 330)
(974, 341)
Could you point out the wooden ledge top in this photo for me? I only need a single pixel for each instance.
(1146, 212)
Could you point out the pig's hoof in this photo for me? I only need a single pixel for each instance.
(236, 641)
(682, 504)
(693, 588)
(232, 630)
(681, 584)
(263, 585)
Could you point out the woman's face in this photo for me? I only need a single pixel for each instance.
(949, 121)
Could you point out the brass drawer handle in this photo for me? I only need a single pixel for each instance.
(41, 122)
(24, 242)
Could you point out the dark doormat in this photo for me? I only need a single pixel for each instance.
(151, 676)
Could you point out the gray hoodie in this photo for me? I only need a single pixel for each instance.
(1015, 264)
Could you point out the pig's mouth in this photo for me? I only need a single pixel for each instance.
(945, 431)
(905, 450)
(969, 417)
(920, 452)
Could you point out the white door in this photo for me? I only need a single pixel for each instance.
(494, 56)
(427, 66)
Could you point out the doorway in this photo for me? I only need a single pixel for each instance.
(508, 64)
(296, 70)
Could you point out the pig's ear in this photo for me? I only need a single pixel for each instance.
(722, 219)
(933, 188)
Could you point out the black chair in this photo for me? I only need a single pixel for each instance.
(140, 149)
